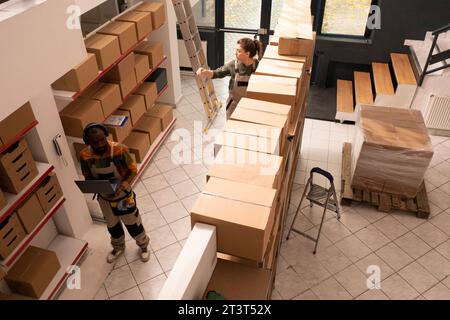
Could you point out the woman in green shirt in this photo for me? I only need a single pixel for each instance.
(239, 69)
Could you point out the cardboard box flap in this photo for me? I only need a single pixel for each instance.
(240, 192)
(280, 68)
(116, 27)
(250, 174)
(236, 212)
(255, 116)
(254, 129)
(99, 41)
(266, 106)
(272, 85)
(248, 142)
(271, 52)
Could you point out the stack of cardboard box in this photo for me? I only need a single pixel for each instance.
(391, 151)
(248, 186)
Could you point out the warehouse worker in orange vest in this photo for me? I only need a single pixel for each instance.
(105, 160)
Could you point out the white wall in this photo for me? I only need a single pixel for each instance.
(37, 48)
(167, 34)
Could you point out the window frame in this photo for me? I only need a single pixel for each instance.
(320, 9)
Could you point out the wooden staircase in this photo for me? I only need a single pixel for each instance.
(390, 84)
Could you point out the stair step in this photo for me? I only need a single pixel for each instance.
(382, 78)
(344, 99)
(363, 88)
(402, 69)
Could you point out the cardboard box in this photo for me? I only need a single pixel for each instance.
(248, 142)
(80, 76)
(135, 105)
(33, 272)
(159, 76)
(49, 192)
(153, 50)
(125, 31)
(118, 134)
(272, 89)
(122, 70)
(78, 114)
(298, 47)
(30, 213)
(12, 297)
(141, 66)
(142, 22)
(246, 193)
(241, 227)
(148, 91)
(151, 126)
(258, 130)
(105, 47)
(280, 68)
(17, 167)
(271, 52)
(138, 143)
(250, 167)
(11, 234)
(163, 112)
(275, 120)
(235, 281)
(127, 84)
(157, 11)
(15, 123)
(108, 94)
(3, 201)
(391, 151)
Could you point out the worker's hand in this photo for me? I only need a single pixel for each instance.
(202, 72)
(123, 186)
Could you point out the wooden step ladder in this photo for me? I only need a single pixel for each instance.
(197, 57)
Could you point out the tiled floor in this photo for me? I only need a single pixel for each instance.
(412, 254)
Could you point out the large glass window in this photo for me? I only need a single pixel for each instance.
(345, 17)
(204, 12)
(243, 14)
(275, 13)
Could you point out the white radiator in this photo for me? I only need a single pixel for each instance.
(437, 115)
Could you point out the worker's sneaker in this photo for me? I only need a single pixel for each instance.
(145, 255)
(114, 255)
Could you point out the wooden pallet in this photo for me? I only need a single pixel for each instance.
(383, 201)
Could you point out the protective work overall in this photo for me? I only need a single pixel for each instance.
(239, 89)
(121, 207)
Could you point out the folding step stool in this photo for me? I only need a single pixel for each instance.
(320, 196)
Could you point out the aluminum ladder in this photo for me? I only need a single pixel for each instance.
(192, 41)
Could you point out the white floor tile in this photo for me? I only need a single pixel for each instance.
(175, 176)
(145, 204)
(119, 280)
(164, 197)
(173, 212)
(181, 228)
(143, 271)
(185, 189)
(155, 183)
(151, 288)
(153, 220)
(161, 238)
(130, 294)
(168, 256)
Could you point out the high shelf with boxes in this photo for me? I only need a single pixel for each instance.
(128, 85)
(247, 194)
(31, 196)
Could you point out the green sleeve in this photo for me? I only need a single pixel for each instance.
(224, 71)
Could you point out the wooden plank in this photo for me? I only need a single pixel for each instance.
(366, 196)
(375, 198)
(423, 207)
(411, 205)
(395, 202)
(347, 191)
(344, 98)
(382, 78)
(385, 204)
(403, 69)
(363, 88)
